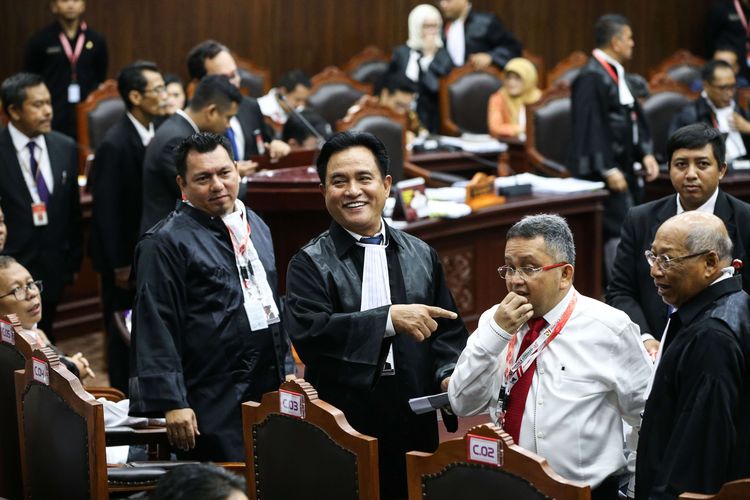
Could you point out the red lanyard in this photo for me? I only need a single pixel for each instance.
(741, 15)
(514, 371)
(607, 67)
(69, 53)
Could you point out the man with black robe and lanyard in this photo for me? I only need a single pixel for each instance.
(369, 310)
(557, 370)
(206, 330)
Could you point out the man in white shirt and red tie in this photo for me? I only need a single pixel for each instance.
(558, 370)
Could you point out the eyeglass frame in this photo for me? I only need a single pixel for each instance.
(31, 286)
(523, 274)
(158, 90)
(666, 262)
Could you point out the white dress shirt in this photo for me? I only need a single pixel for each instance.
(707, 208)
(20, 143)
(271, 108)
(589, 378)
(146, 134)
(455, 41)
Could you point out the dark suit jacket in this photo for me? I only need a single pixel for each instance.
(115, 185)
(51, 253)
(428, 108)
(484, 32)
(251, 120)
(699, 111)
(160, 190)
(632, 289)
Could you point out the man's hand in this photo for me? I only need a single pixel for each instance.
(480, 60)
(415, 320)
(651, 166)
(84, 370)
(616, 181)
(652, 347)
(182, 427)
(278, 149)
(738, 123)
(246, 167)
(444, 384)
(122, 277)
(513, 312)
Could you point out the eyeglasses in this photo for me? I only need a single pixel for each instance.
(663, 262)
(161, 89)
(22, 292)
(724, 88)
(525, 272)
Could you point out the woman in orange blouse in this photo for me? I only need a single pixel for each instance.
(506, 112)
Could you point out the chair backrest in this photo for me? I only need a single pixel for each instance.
(538, 62)
(368, 66)
(464, 94)
(486, 464)
(96, 114)
(667, 99)
(682, 67)
(333, 92)
(292, 430)
(548, 129)
(254, 80)
(61, 430)
(386, 125)
(567, 69)
(14, 351)
(734, 490)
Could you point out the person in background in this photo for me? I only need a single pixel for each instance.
(200, 482)
(424, 60)
(70, 57)
(291, 92)
(175, 93)
(299, 136)
(506, 111)
(728, 55)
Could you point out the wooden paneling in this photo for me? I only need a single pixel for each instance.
(312, 34)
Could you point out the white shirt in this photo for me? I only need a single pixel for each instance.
(239, 136)
(626, 97)
(455, 41)
(707, 208)
(20, 143)
(734, 143)
(589, 378)
(146, 134)
(270, 107)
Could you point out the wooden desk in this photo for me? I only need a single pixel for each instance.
(457, 162)
(470, 248)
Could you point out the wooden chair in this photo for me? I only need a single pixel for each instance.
(538, 62)
(333, 92)
(566, 71)
(292, 430)
(486, 464)
(254, 80)
(667, 99)
(548, 132)
(14, 351)
(682, 67)
(61, 436)
(735, 490)
(95, 115)
(368, 66)
(464, 94)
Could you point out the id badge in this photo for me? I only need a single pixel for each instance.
(39, 213)
(255, 314)
(74, 93)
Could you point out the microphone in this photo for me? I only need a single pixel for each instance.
(304, 120)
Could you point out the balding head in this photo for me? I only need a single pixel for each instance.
(690, 250)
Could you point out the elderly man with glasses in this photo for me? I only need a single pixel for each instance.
(558, 370)
(695, 434)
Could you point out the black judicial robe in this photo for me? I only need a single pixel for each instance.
(695, 434)
(192, 345)
(344, 348)
(603, 139)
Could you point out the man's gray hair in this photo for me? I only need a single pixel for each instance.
(704, 238)
(553, 229)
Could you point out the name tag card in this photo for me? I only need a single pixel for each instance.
(484, 450)
(291, 403)
(480, 192)
(41, 371)
(6, 333)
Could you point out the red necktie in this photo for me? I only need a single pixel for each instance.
(517, 403)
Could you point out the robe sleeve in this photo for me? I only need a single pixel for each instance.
(592, 145)
(696, 457)
(347, 347)
(156, 383)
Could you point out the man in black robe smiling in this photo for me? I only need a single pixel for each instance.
(369, 311)
(206, 330)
